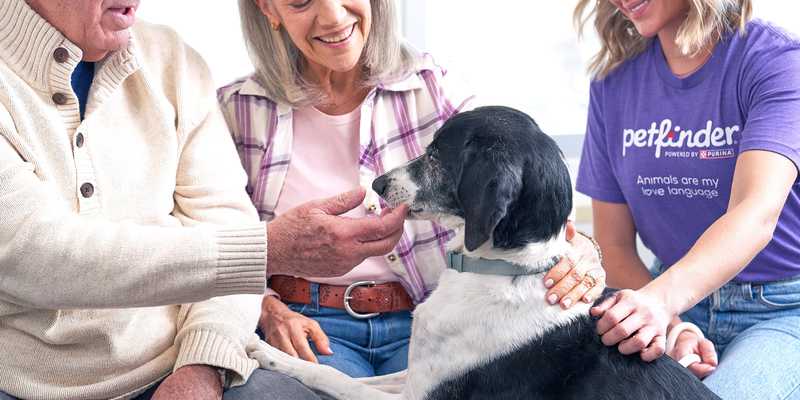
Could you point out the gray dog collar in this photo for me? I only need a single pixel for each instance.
(462, 263)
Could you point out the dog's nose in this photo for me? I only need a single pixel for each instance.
(379, 184)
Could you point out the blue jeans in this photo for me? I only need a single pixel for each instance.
(262, 385)
(361, 348)
(755, 328)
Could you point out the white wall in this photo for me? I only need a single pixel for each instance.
(210, 26)
(526, 54)
(522, 53)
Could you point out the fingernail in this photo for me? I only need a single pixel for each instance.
(548, 283)
(567, 302)
(552, 299)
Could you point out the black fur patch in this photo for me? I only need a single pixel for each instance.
(570, 363)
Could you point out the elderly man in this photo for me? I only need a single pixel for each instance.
(131, 258)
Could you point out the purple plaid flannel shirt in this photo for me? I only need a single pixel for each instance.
(398, 120)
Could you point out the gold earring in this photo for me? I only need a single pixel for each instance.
(275, 25)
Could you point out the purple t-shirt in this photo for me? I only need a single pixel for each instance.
(667, 147)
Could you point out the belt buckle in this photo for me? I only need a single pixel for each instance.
(347, 298)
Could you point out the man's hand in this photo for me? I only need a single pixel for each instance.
(578, 276)
(689, 343)
(289, 331)
(191, 382)
(314, 240)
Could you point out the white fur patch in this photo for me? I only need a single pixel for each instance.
(471, 319)
(401, 188)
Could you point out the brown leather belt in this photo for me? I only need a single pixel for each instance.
(361, 299)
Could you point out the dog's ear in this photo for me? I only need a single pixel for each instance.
(486, 189)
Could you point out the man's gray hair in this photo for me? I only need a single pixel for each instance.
(277, 60)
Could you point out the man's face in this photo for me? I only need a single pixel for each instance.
(96, 26)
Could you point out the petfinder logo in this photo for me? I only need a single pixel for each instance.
(665, 135)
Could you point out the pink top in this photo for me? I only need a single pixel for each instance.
(325, 157)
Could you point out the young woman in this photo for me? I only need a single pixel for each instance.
(338, 98)
(693, 141)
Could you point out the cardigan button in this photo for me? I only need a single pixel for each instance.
(79, 140)
(61, 55)
(87, 190)
(59, 98)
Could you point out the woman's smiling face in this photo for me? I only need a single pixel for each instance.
(329, 33)
(652, 16)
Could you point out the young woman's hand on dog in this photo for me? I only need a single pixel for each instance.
(689, 343)
(290, 332)
(636, 321)
(577, 277)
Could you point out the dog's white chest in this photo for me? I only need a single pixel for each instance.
(470, 320)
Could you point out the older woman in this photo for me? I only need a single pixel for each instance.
(693, 142)
(338, 98)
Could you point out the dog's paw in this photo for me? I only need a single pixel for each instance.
(273, 359)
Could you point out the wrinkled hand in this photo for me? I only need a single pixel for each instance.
(289, 331)
(578, 276)
(637, 320)
(314, 240)
(689, 343)
(191, 382)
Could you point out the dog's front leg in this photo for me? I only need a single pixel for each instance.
(322, 379)
(392, 383)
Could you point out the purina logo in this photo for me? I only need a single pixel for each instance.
(665, 135)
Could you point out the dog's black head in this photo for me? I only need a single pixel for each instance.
(493, 168)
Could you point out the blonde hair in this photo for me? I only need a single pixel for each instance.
(277, 61)
(706, 22)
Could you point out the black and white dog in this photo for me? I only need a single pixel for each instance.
(495, 178)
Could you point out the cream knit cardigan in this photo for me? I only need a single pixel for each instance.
(89, 281)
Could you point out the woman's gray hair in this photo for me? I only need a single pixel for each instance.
(277, 60)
